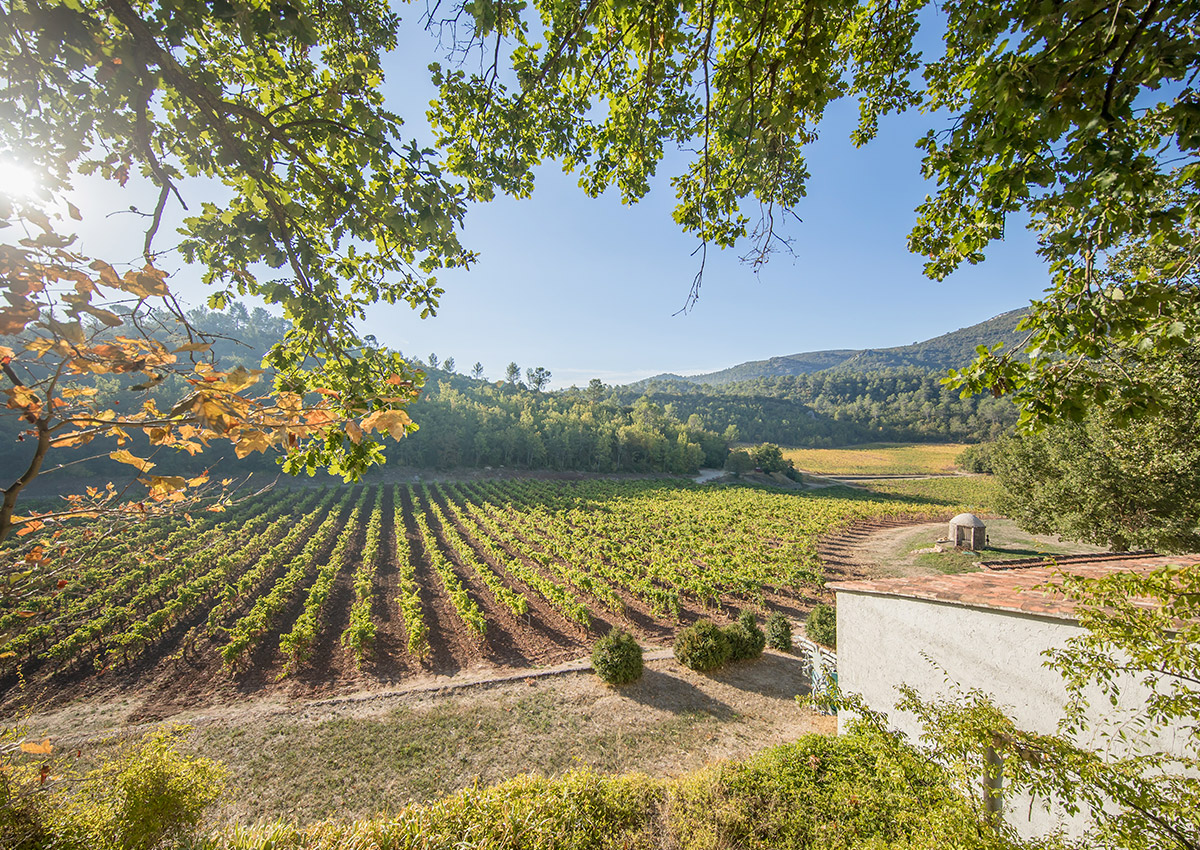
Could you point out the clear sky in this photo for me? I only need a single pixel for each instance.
(591, 288)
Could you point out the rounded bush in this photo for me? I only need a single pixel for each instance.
(702, 646)
(617, 658)
(821, 625)
(746, 639)
(779, 632)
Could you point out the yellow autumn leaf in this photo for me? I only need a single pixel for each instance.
(395, 422)
(164, 485)
(125, 456)
(251, 441)
(240, 378)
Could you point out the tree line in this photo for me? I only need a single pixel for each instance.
(661, 426)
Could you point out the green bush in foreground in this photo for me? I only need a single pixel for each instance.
(702, 646)
(861, 790)
(821, 625)
(151, 795)
(779, 632)
(746, 639)
(617, 658)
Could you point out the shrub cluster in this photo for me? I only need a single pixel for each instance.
(150, 795)
(746, 639)
(702, 646)
(617, 658)
(821, 625)
(779, 632)
(705, 646)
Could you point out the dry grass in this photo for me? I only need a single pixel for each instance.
(878, 459)
(360, 761)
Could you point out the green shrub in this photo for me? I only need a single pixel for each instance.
(739, 462)
(702, 646)
(746, 639)
(779, 632)
(821, 625)
(977, 458)
(860, 790)
(617, 658)
(150, 795)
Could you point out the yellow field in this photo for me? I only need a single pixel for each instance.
(878, 459)
(976, 493)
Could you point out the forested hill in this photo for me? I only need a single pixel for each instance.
(944, 352)
(668, 426)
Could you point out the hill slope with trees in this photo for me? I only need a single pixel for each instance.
(948, 351)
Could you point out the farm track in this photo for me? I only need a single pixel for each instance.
(841, 551)
(464, 579)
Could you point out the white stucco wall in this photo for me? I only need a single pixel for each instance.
(885, 641)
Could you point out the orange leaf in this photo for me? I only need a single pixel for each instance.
(42, 749)
(108, 274)
(395, 422)
(30, 527)
(252, 441)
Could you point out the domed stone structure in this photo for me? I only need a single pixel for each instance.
(967, 531)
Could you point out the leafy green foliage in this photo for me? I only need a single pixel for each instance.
(860, 790)
(821, 624)
(617, 658)
(769, 458)
(779, 632)
(1079, 119)
(978, 458)
(746, 640)
(1111, 480)
(739, 462)
(865, 789)
(327, 208)
(150, 795)
(702, 646)
(1127, 749)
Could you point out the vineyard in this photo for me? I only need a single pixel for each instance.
(322, 586)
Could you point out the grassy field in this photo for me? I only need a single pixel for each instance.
(878, 459)
(978, 494)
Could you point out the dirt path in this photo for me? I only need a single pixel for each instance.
(905, 548)
(854, 552)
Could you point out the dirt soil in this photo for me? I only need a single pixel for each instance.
(882, 548)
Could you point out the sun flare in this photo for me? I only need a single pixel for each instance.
(16, 180)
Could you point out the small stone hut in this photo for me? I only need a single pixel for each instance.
(967, 531)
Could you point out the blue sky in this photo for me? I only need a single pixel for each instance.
(592, 288)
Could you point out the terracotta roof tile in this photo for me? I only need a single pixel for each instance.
(1009, 589)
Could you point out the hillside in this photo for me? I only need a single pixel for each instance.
(940, 353)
